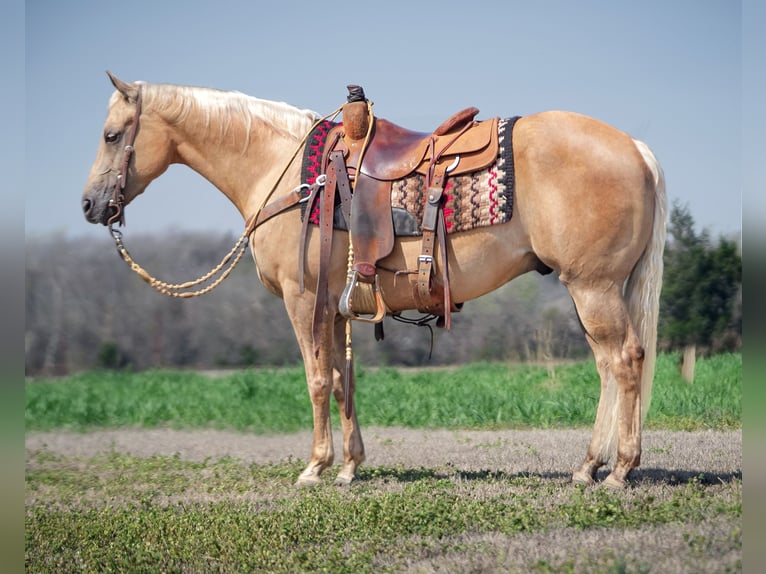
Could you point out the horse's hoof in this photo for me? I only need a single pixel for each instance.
(308, 481)
(582, 478)
(344, 480)
(614, 483)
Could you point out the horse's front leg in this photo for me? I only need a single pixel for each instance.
(353, 447)
(325, 374)
(319, 379)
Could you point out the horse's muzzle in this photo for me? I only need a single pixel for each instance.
(96, 208)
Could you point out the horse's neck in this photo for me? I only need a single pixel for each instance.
(239, 144)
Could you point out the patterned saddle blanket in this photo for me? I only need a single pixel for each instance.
(472, 200)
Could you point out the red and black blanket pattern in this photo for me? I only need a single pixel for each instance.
(472, 200)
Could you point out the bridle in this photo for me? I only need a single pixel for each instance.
(221, 271)
(117, 200)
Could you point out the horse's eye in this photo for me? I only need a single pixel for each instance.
(112, 137)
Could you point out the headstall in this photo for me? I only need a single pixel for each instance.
(118, 197)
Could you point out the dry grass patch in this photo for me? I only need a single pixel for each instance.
(118, 512)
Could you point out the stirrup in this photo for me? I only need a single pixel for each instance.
(365, 293)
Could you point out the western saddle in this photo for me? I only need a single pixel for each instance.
(362, 157)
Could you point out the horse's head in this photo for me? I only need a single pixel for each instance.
(135, 148)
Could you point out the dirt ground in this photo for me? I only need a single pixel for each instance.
(670, 460)
(667, 456)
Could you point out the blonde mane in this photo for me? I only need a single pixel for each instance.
(226, 116)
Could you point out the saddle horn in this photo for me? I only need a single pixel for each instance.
(356, 117)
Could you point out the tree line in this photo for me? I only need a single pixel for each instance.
(701, 303)
(85, 309)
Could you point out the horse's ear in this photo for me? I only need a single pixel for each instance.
(130, 91)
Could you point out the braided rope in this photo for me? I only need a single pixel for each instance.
(177, 290)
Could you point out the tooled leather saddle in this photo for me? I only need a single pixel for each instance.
(361, 159)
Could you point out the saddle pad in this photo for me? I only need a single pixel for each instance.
(472, 200)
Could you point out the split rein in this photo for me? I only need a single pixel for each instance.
(220, 272)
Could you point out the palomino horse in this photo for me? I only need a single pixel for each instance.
(589, 203)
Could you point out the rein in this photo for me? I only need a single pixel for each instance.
(221, 271)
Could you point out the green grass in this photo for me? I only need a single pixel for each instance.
(118, 513)
(471, 396)
(163, 514)
(713, 401)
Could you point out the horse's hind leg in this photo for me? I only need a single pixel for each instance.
(353, 447)
(619, 359)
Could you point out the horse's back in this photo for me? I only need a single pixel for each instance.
(584, 192)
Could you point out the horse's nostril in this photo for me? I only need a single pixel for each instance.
(86, 205)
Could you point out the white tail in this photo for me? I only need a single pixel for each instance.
(643, 289)
(642, 295)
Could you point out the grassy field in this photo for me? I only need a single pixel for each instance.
(113, 512)
(473, 396)
(163, 514)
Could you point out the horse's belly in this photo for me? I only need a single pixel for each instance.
(480, 261)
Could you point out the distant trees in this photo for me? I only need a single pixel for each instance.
(85, 309)
(700, 304)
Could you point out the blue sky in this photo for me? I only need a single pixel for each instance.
(669, 73)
